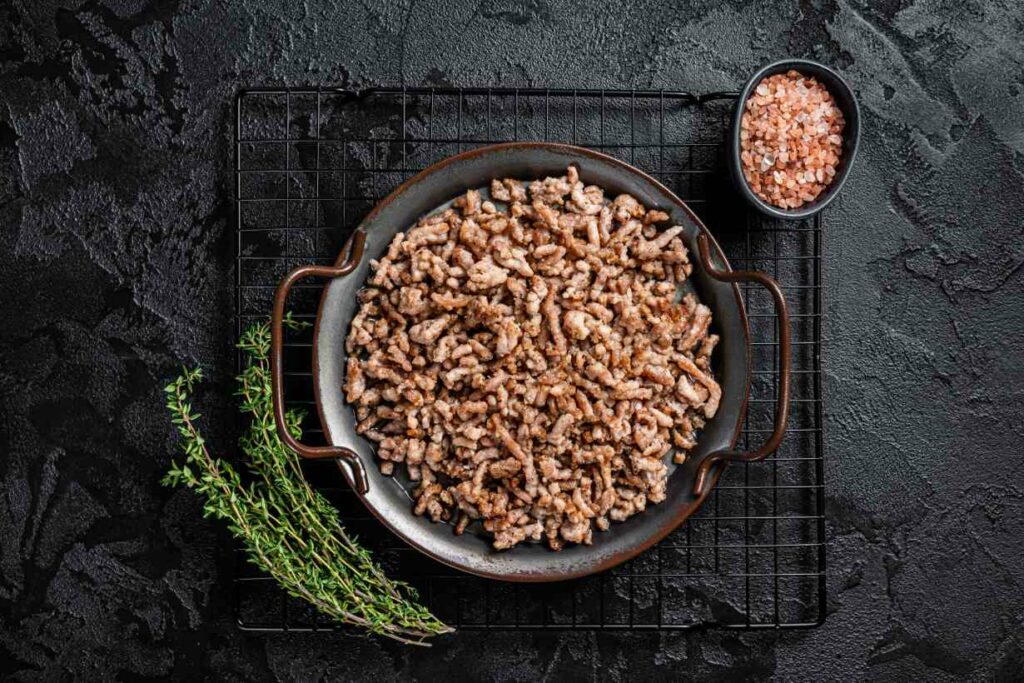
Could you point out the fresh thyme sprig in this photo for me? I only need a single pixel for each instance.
(287, 529)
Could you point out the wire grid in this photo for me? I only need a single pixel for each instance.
(310, 163)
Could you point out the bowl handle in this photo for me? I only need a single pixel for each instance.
(703, 480)
(348, 461)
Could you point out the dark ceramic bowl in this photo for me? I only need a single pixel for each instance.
(843, 95)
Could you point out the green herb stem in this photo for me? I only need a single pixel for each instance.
(287, 529)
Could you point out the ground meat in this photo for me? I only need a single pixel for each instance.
(531, 363)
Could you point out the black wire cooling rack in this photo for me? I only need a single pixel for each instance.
(311, 162)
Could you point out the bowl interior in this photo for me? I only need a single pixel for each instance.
(388, 497)
(847, 103)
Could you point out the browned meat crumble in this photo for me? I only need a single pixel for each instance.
(530, 362)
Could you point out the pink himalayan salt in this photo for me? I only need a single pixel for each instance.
(790, 139)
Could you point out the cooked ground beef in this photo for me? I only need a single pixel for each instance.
(530, 362)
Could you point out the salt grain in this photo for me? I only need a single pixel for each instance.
(790, 139)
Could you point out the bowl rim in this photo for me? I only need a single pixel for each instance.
(852, 134)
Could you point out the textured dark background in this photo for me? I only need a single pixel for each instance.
(116, 263)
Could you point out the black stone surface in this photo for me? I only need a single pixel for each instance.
(116, 265)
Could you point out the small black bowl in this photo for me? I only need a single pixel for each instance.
(844, 98)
